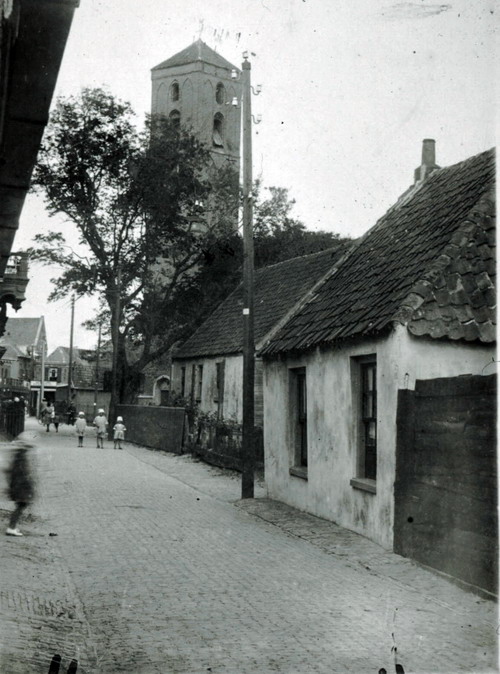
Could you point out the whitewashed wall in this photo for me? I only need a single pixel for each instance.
(233, 373)
(332, 442)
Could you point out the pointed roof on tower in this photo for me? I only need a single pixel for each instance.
(198, 51)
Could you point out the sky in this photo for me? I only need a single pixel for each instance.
(349, 91)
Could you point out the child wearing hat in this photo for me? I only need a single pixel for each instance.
(119, 432)
(101, 423)
(80, 427)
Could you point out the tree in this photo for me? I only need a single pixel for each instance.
(135, 199)
(156, 227)
(277, 235)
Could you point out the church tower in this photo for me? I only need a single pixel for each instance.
(194, 88)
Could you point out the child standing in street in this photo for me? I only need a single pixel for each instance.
(119, 432)
(101, 423)
(80, 428)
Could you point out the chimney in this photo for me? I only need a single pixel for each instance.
(428, 164)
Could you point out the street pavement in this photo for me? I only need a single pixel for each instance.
(145, 562)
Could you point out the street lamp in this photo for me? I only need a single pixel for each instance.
(248, 444)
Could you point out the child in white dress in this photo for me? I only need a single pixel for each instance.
(80, 427)
(119, 432)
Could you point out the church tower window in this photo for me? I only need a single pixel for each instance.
(220, 94)
(218, 132)
(175, 118)
(174, 91)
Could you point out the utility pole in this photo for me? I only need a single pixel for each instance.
(248, 446)
(70, 365)
(98, 354)
(42, 376)
(115, 338)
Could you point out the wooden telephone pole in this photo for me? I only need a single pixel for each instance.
(70, 364)
(248, 445)
(115, 337)
(98, 355)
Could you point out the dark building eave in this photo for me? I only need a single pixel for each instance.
(35, 52)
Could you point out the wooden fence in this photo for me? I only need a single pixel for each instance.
(446, 478)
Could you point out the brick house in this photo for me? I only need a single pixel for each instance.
(414, 299)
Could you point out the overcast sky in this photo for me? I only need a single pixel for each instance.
(350, 89)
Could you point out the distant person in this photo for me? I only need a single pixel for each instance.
(71, 412)
(21, 483)
(55, 421)
(119, 432)
(48, 413)
(101, 424)
(80, 428)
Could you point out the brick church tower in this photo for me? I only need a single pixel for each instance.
(195, 89)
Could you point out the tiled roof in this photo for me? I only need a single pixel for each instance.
(60, 356)
(84, 357)
(198, 51)
(278, 288)
(12, 352)
(84, 376)
(22, 332)
(428, 263)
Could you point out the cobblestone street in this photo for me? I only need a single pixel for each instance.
(157, 567)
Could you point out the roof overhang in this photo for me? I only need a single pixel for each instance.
(36, 32)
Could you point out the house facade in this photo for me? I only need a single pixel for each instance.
(89, 388)
(207, 369)
(413, 300)
(22, 343)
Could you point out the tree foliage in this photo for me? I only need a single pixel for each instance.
(278, 235)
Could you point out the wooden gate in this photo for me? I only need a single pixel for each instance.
(446, 478)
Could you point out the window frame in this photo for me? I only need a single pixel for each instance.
(193, 383)
(183, 381)
(220, 93)
(220, 373)
(175, 92)
(218, 129)
(298, 421)
(365, 408)
(199, 382)
(174, 117)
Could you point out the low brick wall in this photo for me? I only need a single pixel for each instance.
(156, 427)
(222, 447)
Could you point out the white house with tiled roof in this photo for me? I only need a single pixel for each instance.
(208, 367)
(414, 299)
